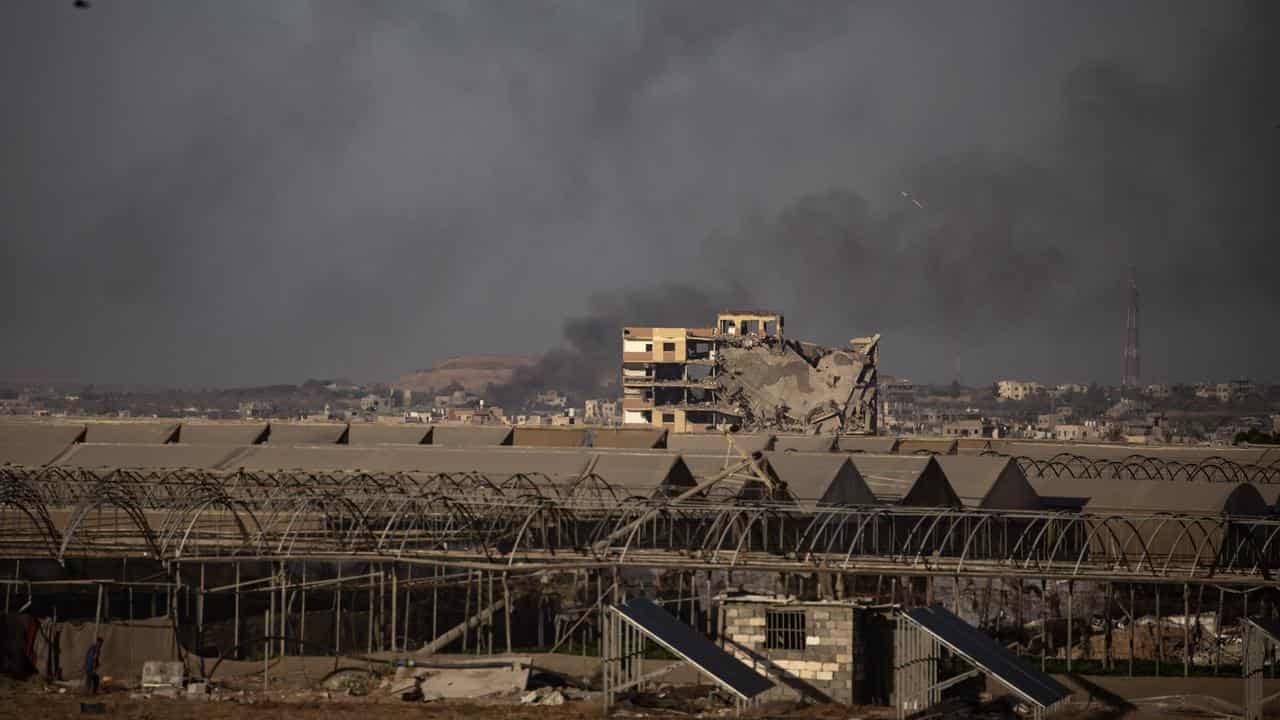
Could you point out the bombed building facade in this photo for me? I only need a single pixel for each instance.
(743, 371)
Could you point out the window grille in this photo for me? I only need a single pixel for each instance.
(784, 630)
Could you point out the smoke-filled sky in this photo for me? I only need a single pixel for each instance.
(243, 192)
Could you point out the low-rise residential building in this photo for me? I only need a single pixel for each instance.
(1017, 389)
(1159, 392)
(1069, 431)
(600, 412)
(969, 427)
(898, 403)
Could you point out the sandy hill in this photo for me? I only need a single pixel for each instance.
(472, 372)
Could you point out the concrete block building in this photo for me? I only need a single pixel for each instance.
(812, 649)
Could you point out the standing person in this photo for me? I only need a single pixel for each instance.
(92, 660)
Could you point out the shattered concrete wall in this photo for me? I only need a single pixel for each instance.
(788, 385)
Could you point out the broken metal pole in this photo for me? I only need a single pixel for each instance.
(457, 631)
(235, 623)
(506, 603)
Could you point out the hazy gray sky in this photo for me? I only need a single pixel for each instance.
(244, 192)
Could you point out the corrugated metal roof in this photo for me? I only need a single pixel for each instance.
(1122, 495)
(306, 433)
(522, 436)
(703, 442)
(805, 443)
(230, 433)
(995, 483)
(867, 444)
(35, 444)
(470, 435)
(130, 432)
(907, 480)
(377, 434)
(136, 455)
(821, 478)
(628, 438)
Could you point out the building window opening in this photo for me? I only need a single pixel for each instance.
(770, 327)
(669, 371)
(668, 347)
(648, 347)
(669, 418)
(784, 630)
(698, 372)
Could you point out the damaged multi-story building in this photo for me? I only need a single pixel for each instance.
(743, 371)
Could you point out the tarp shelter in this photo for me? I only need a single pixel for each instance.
(126, 645)
(1261, 638)
(629, 624)
(306, 433)
(991, 483)
(522, 436)
(924, 446)
(470, 435)
(310, 457)
(17, 638)
(717, 442)
(35, 444)
(559, 470)
(1189, 454)
(980, 445)
(168, 455)
(131, 432)
(644, 474)
(921, 634)
(805, 443)
(230, 433)
(882, 445)
(629, 438)
(380, 434)
(743, 484)
(1270, 494)
(913, 480)
(1103, 495)
(821, 478)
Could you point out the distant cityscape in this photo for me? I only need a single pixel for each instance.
(1219, 413)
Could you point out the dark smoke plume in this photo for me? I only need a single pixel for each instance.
(589, 362)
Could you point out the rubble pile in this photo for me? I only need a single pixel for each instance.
(794, 386)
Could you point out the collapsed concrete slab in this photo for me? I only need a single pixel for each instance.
(780, 384)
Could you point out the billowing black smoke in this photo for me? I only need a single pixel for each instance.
(589, 362)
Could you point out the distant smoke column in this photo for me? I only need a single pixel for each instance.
(1132, 368)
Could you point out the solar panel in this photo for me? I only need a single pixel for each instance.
(989, 656)
(693, 647)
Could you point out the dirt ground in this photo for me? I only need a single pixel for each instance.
(295, 693)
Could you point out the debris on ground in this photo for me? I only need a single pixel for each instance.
(543, 696)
